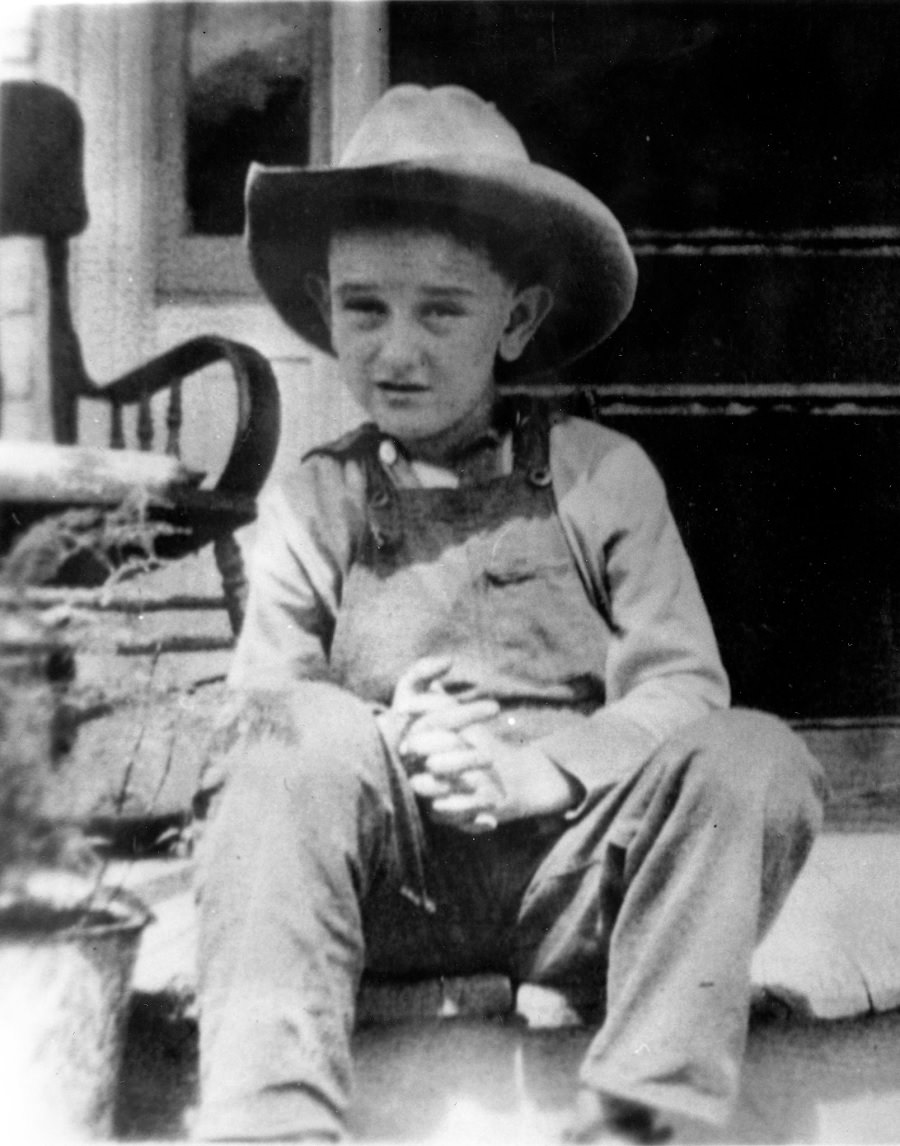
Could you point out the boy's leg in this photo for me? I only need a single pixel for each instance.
(312, 813)
(659, 895)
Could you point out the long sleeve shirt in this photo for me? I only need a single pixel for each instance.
(663, 668)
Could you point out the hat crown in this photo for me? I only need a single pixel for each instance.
(412, 123)
(445, 149)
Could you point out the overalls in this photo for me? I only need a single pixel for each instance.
(320, 862)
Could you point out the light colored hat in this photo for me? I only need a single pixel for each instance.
(439, 148)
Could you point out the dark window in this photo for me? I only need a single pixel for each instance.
(750, 149)
(247, 99)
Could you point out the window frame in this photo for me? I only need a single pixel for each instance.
(210, 264)
(349, 71)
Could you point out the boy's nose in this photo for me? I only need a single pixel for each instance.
(398, 349)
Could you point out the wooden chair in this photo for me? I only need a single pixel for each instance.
(42, 195)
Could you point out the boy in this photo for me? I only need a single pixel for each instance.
(481, 713)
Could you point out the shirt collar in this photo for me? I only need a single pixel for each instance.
(478, 461)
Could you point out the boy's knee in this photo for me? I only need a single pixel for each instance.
(755, 764)
(329, 723)
(312, 734)
(306, 763)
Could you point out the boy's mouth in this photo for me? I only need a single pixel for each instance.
(401, 387)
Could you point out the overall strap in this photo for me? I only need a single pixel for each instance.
(382, 503)
(363, 446)
(531, 441)
(530, 420)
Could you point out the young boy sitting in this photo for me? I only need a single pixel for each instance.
(481, 717)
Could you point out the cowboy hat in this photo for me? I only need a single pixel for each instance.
(445, 148)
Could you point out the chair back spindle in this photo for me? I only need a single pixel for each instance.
(116, 426)
(174, 417)
(145, 423)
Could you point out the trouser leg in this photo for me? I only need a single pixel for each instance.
(312, 811)
(659, 895)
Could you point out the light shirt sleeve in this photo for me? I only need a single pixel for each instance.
(304, 544)
(663, 668)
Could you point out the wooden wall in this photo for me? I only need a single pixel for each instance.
(748, 150)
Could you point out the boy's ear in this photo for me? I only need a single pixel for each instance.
(531, 306)
(317, 289)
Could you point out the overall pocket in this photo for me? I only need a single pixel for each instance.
(536, 610)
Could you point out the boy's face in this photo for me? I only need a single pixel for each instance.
(417, 320)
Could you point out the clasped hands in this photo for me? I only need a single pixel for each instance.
(466, 775)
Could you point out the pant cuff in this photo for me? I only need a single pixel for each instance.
(667, 1098)
(290, 1115)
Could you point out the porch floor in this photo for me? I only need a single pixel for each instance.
(487, 1080)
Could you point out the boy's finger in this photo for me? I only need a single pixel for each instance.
(421, 741)
(465, 814)
(464, 820)
(481, 825)
(456, 716)
(420, 677)
(428, 787)
(418, 704)
(453, 764)
(477, 736)
(461, 805)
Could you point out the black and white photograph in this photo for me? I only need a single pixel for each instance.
(450, 572)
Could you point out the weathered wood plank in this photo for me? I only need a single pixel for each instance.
(70, 475)
(736, 318)
(834, 951)
(861, 758)
(729, 398)
(106, 600)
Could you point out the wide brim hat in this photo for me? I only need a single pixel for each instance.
(439, 148)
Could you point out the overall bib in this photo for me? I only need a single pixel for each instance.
(320, 861)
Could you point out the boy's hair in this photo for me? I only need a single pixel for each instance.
(521, 262)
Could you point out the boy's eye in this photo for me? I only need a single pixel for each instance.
(363, 306)
(442, 310)
(363, 312)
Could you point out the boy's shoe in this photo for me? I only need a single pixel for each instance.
(603, 1118)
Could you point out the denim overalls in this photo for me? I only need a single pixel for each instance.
(320, 863)
(482, 572)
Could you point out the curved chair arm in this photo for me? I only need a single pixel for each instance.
(258, 405)
(204, 515)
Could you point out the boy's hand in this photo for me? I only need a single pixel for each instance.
(470, 778)
(419, 693)
(531, 783)
(418, 696)
(473, 780)
(453, 776)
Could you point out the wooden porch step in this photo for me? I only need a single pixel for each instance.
(138, 766)
(859, 756)
(834, 951)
